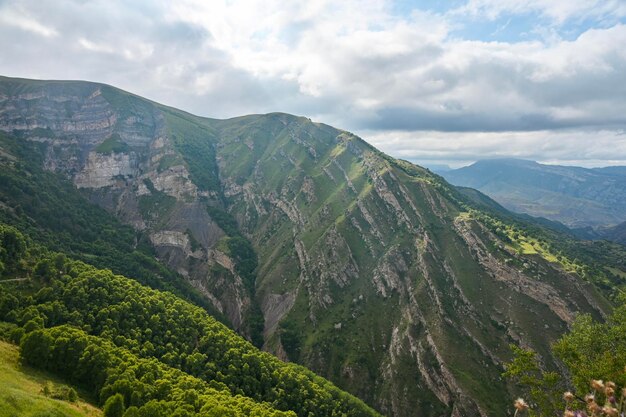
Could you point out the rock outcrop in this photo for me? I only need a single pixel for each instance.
(368, 270)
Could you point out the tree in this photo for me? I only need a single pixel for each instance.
(591, 351)
(12, 248)
(114, 406)
(71, 395)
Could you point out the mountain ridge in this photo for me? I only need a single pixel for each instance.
(577, 197)
(370, 270)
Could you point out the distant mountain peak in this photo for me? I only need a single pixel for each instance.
(578, 197)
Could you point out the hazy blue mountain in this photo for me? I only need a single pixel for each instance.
(577, 197)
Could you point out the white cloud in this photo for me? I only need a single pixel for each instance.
(355, 64)
(599, 147)
(20, 18)
(558, 11)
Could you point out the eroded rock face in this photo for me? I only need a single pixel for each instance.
(104, 170)
(145, 168)
(364, 262)
(377, 261)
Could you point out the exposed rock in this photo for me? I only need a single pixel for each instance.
(275, 306)
(103, 170)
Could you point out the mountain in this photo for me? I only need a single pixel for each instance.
(616, 233)
(369, 270)
(577, 197)
(156, 353)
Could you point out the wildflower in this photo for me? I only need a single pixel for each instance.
(610, 411)
(610, 388)
(569, 413)
(520, 404)
(568, 396)
(589, 398)
(593, 407)
(580, 413)
(612, 400)
(597, 384)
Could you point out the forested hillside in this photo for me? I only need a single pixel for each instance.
(110, 335)
(53, 212)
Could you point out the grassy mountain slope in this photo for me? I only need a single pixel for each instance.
(21, 391)
(577, 197)
(371, 271)
(390, 274)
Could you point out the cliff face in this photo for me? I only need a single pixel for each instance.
(370, 270)
(118, 149)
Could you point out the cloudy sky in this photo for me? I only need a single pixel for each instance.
(430, 81)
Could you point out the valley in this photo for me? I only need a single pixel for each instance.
(589, 200)
(302, 238)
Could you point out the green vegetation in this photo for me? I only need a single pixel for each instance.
(51, 211)
(156, 205)
(27, 392)
(196, 144)
(168, 161)
(113, 144)
(241, 250)
(120, 379)
(591, 351)
(110, 335)
(374, 272)
(598, 262)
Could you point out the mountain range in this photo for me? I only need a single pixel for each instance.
(371, 271)
(577, 197)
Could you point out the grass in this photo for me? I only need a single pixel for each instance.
(21, 391)
(113, 144)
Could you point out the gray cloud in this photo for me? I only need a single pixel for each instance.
(352, 64)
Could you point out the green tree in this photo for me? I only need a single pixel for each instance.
(114, 406)
(12, 249)
(590, 351)
(72, 396)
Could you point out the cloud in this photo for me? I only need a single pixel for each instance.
(557, 11)
(359, 65)
(601, 147)
(20, 19)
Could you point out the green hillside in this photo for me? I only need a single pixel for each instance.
(108, 334)
(370, 271)
(22, 391)
(51, 211)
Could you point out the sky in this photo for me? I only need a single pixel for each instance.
(433, 82)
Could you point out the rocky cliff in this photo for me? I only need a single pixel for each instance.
(372, 271)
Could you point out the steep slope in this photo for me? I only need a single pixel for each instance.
(53, 212)
(372, 271)
(21, 391)
(108, 334)
(574, 196)
(118, 150)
